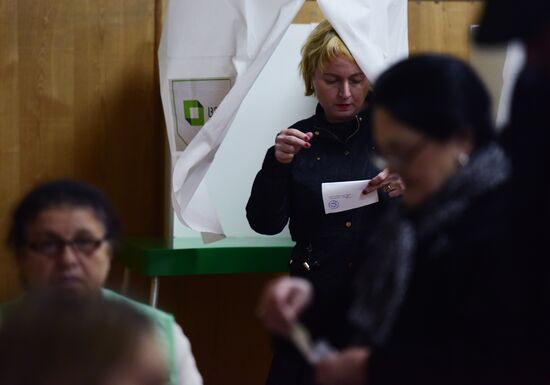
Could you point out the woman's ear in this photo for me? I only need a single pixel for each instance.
(464, 143)
(464, 147)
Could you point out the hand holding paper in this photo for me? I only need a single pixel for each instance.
(343, 196)
(282, 301)
(391, 183)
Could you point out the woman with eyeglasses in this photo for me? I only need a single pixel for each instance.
(424, 301)
(63, 234)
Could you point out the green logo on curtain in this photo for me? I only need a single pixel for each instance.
(193, 112)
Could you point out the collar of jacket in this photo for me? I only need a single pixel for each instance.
(488, 168)
(327, 129)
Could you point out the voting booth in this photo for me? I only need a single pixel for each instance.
(226, 92)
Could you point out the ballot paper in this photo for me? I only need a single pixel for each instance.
(343, 196)
(312, 352)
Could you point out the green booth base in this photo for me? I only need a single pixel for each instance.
(190, 256)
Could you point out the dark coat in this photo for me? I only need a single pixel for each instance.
(526, 139)
(526, 136)
(328, 247)
(468, 314)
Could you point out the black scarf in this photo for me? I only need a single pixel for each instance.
(384, 279)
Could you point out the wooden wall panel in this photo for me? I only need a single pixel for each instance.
(9, 134)
(218, 315)
(309, 13)
(79, 99)
(442, 26)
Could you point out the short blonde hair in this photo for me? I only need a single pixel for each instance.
(322, 45)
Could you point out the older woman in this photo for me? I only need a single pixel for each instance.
(447, 302)
(63, 234)
(331, 146)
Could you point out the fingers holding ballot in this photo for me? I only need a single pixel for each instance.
(282, 302)
(348, 367)
(390, 183)
(289, 142)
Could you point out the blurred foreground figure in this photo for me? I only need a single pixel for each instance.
(453, 301)
(446, 296)
(74, 342)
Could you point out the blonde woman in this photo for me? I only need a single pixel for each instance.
(333, 145)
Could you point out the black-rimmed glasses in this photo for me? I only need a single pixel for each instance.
(55, 246)
(399, 161)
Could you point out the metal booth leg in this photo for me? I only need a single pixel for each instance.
(154, 292)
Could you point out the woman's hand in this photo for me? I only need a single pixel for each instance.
(282, 302)
(348, 367)
(289, 142)
(391, 183)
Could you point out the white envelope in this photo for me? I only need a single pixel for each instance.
(343, 196)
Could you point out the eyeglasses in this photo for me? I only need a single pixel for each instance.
(399, 162)
(55, 246)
